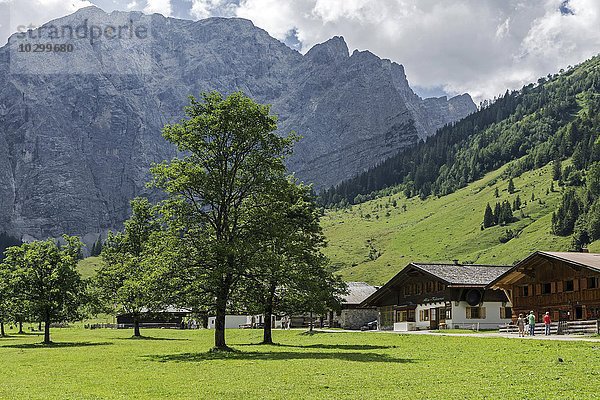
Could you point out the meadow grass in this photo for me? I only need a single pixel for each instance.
(373, 241)
(108, 364)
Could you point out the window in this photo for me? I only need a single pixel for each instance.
(546, 288)
(505, 312)
(401, 316)
(411, 316)
(386, 315)
(424, 315)
(569, 286)
(524, 291)
(448, 313)
(592, 283)
(475, 312)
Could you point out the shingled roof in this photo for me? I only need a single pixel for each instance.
(464, 274)
(457, 275)
(358, 292)
(589, 260)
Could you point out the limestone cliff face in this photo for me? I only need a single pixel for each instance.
(79, 131)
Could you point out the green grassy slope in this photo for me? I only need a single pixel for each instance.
(442, 229)
(88, 266)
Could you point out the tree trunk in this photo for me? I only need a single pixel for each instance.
(310, 324)
(205, 320)
(136, 326)
(221, 303)
(47, 330)
(268, 309)
(2, 332)
(40, 326)
(21, 327)
(220, 343)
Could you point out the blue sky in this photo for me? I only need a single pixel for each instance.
(482, 47)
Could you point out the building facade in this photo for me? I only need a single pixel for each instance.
(352, 314)
(438, 296)
(565, 284)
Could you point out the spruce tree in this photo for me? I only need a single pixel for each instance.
(557, 170)
(488, 217)
(511, 186)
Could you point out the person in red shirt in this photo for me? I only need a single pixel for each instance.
(547, 323)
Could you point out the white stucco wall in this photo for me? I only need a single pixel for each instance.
(425, 324)
(492, 316)
(231, 321)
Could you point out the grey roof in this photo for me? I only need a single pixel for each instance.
(358, 292)
(591, 260)
(468, 274)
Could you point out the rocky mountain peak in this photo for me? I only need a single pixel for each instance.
(332, 51)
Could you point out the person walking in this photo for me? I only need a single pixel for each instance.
(547, 323)
(531, 318)
(521, 325)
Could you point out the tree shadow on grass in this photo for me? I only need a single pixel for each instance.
(325, 346)
(278, 355)
(56, 345)
(149, 338)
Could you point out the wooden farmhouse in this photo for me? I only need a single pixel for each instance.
(434, 296)
(565, 284)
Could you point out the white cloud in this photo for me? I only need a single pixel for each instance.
(15, 13)
(210, 8)
(159, 6)
(133, 5)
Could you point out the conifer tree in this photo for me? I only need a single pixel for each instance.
(511, 186)
(488, 217)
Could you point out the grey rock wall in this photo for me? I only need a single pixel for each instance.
(79, 131)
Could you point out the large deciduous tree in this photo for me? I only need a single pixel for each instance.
(48, 279)
(126, 283)
(230, 156)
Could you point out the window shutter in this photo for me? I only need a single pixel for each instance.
(583, 284)
(575, 284)
(538, 289)
(482, 313)
(553, 287)
(531, 290)
(559, 287)
(468, 312)
(421, 315)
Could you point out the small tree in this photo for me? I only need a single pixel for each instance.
(289, 239)
(488, 216)
(511, 186)
(557, 170)
(125, 281)
(49, 279)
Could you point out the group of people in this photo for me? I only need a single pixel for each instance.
(527, 324)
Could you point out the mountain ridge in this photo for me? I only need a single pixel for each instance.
(80, 130)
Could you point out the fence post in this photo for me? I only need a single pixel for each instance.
(598, 326)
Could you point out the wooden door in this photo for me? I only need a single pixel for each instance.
(433, 318)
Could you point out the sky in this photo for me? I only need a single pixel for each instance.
(481, 47)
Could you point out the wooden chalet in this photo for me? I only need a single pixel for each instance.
(565, 284)
(432, 296)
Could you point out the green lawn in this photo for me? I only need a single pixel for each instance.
(175, 364)
(373, 241)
